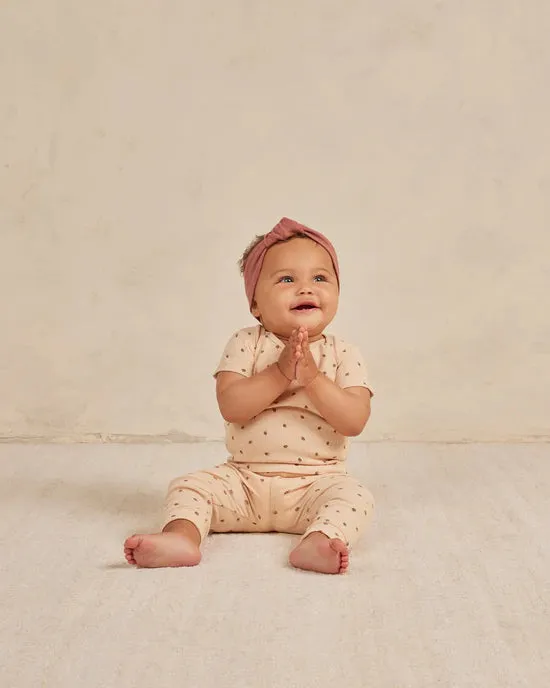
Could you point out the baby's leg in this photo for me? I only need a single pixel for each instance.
(335, 509)
(188, 512)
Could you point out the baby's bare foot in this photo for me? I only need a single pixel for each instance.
(160, 550)
(320, 553)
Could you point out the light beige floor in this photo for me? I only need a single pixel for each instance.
(450, 589)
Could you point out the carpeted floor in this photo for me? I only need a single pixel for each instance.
(451, 588)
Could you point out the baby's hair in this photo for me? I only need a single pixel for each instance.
(256, 241)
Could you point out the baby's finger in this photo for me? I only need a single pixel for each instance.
(293, 341)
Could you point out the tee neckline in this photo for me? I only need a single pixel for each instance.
(273, 336)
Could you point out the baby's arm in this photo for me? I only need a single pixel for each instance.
(347, 410)
(241, 398)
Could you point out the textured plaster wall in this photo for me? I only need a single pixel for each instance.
(142, 145)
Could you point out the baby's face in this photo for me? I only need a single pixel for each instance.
(297, 286)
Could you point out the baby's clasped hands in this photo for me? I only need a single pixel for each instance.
(296, 361)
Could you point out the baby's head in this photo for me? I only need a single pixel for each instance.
(291, 279)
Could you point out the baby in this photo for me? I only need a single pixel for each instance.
(291, 396)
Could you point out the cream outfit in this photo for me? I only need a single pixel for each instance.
(249, 493)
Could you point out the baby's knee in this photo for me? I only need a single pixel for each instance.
(360, 497)
(368, 499)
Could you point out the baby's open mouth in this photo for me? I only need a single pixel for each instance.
(305, 307)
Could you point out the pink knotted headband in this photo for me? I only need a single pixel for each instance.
(285, 229)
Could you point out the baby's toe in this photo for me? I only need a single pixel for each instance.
(132, 542)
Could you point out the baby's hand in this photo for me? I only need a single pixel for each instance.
(306, 368)
(289, 357)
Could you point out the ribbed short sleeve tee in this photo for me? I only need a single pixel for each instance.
(290, 435)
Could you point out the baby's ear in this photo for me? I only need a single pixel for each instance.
(254, 310)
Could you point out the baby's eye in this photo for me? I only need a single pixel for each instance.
(286, 278)
(320, 277)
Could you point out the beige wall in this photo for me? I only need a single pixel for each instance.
(144, 144)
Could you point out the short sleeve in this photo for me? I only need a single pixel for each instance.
(352, 370)
(239, 353)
